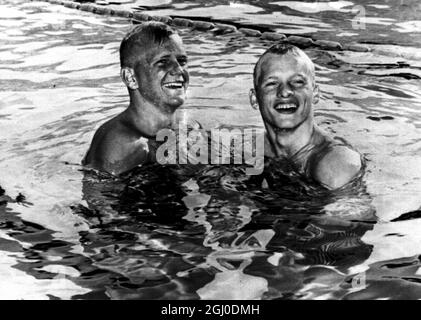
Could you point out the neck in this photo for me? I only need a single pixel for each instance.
(144, 118)
(287, 142)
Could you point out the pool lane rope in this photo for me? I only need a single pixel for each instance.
(213, 27)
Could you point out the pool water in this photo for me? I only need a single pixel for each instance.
(182, 232)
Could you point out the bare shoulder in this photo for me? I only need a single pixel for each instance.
(115, 150)
(338, 167)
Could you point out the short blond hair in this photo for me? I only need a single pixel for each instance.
(140, 37)
(283, 49)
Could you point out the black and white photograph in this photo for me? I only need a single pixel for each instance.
(237, 151)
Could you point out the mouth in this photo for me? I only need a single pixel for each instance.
(174, 85)
(286, 108)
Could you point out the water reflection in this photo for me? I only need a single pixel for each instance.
(192, 231)
(39, 265)
(323, 19)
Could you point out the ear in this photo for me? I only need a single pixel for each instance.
(127, 75)
(253, 99)
(316, 94)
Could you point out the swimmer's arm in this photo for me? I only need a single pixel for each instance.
(116, 156)
(338, 167)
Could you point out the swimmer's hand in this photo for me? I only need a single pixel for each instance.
(338, 167)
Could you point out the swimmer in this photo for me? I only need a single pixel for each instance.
(154, 69)
(285, 91)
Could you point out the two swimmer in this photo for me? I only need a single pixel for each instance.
(154, 69)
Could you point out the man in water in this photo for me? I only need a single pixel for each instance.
(285, 91)
(154, 69)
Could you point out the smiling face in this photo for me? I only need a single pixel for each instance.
(285, 90)
(162, 75)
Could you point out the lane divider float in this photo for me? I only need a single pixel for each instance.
(214, 27)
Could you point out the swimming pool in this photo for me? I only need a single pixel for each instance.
(154, 236)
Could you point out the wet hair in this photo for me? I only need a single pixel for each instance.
(282, 49)
(141, 37)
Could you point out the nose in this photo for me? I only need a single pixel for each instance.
(176, 68)
(284, 91)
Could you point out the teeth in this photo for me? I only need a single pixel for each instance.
(285, 106)
(173, 85)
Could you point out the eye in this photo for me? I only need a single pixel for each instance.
(298, 82)
(270, 84)
(162, 62)
(182, 61)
